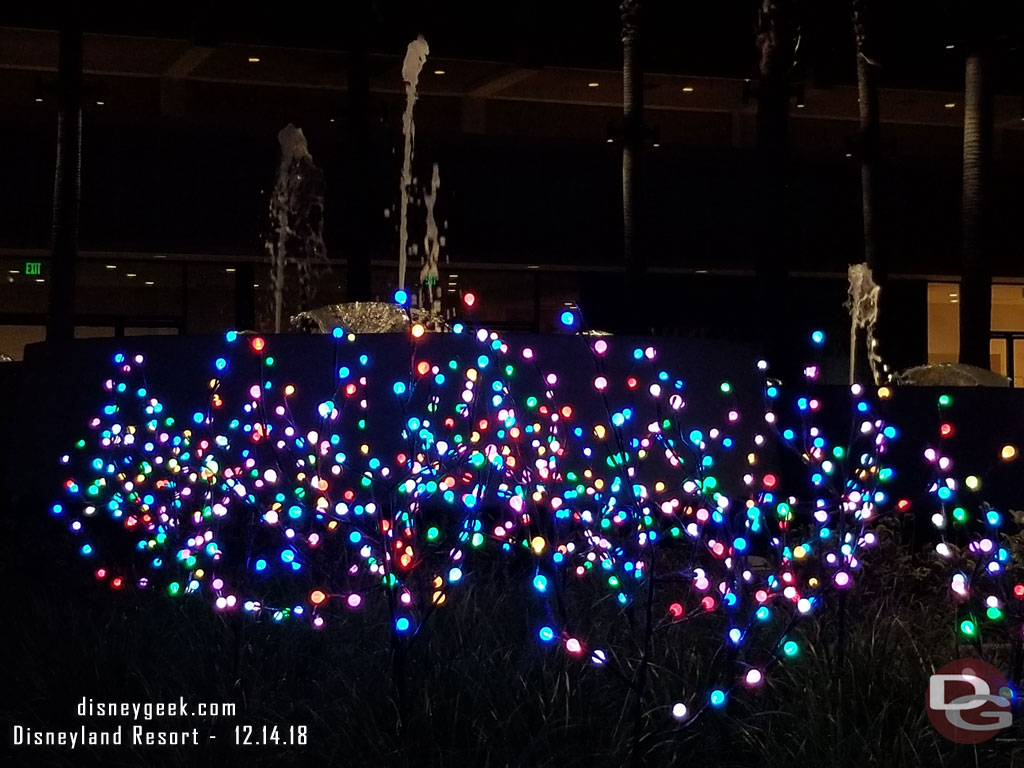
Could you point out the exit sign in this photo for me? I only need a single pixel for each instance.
(33, 268)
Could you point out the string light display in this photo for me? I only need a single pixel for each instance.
(972, 536)
(276, 502)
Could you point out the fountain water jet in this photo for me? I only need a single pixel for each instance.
(430, 291)
(296, 220)
(415, 58)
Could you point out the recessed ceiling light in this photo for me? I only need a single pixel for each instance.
(800, 106)
(593, 85)
(131, 274)
(611, 141)
(688, 89)
(950, 47)
(438, 71)
(849, 154)
(656, 144)
(40, 280)
(111, 266)
(230, 269)
(255, 285)
(39, 99)
(14, 271)
(99, 103)
(254, 59)
(950, 105)
(149, 282)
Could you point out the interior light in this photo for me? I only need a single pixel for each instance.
(254, 59)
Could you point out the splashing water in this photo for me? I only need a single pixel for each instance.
(862, 301)
(296, 220)
(430, 291)
(415, 58)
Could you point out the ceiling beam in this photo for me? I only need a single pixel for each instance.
(188, 61)
(493, 85)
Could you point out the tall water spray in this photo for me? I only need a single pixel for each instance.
(430, 290)
(415, 58)
(296, 220)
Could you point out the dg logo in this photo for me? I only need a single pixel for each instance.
(968, 701)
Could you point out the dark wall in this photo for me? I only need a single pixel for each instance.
(179, 188)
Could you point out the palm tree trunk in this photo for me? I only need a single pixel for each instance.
(632, 157)
(776, 45)
(68, 176)
(976, 278)
(867, 89)
(870, 161)
(358, 206)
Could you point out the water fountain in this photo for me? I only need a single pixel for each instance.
(383, 317)
(415, 58)
(296, 222)
(430, 291)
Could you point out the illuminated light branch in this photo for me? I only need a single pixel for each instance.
(971, 537)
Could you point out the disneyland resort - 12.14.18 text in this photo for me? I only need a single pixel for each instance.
(118, 735)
